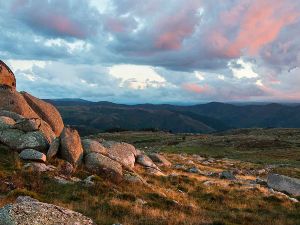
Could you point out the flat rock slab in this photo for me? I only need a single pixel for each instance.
(30, 211)
(284, 183)
(32, 155)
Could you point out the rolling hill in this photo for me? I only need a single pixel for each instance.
(90, 117)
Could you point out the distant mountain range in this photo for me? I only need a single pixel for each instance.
(91, 117)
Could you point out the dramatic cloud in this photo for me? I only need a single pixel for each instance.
(183, 51)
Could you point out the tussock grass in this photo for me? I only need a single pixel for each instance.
(181, 199)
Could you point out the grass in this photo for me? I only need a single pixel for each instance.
(173, 200)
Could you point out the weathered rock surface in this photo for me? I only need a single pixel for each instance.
(34, 140)
(32, 155)
(47, 131)
(10, 114)
(6, 123)
(28, 125)
(18, 140)
(144, 160)
(10, 137)
(11, 100)
(71, 148)
(7, 77)
(90, 145)
(53, 150)
(104, 166)
(122, 153)
(46, 112)
(27, 211)
(159, 159)
(284, 183)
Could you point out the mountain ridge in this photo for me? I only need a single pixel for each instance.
(102, 116)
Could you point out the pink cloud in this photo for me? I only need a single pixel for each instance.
(115, 25)
(195, 88)
(44, 17)
(174, 28)
(62, 25)
(280, 94)
(257, 22)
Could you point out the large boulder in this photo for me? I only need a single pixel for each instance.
(90, 145)
(30, 211)
(284, 183)
(32, 155)
(122, 153)
(46, 112)
(104, 166)
(47, 131)
(71, 148)
(34, 140)
(10, 137)
(159, 159)
(18, 140)
(11, 100)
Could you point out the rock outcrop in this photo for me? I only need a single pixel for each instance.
(30, 211)
(284, 183)
(35, 129)
(40, 115)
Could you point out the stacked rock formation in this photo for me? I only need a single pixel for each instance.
(36, 130)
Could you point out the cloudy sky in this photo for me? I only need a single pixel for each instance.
(134, 51)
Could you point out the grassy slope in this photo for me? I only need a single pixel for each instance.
(107, 203)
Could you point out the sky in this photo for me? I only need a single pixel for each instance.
(154, 51)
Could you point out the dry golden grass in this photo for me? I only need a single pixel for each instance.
(181, 199)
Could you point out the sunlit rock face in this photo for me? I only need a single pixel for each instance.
(7, 77)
